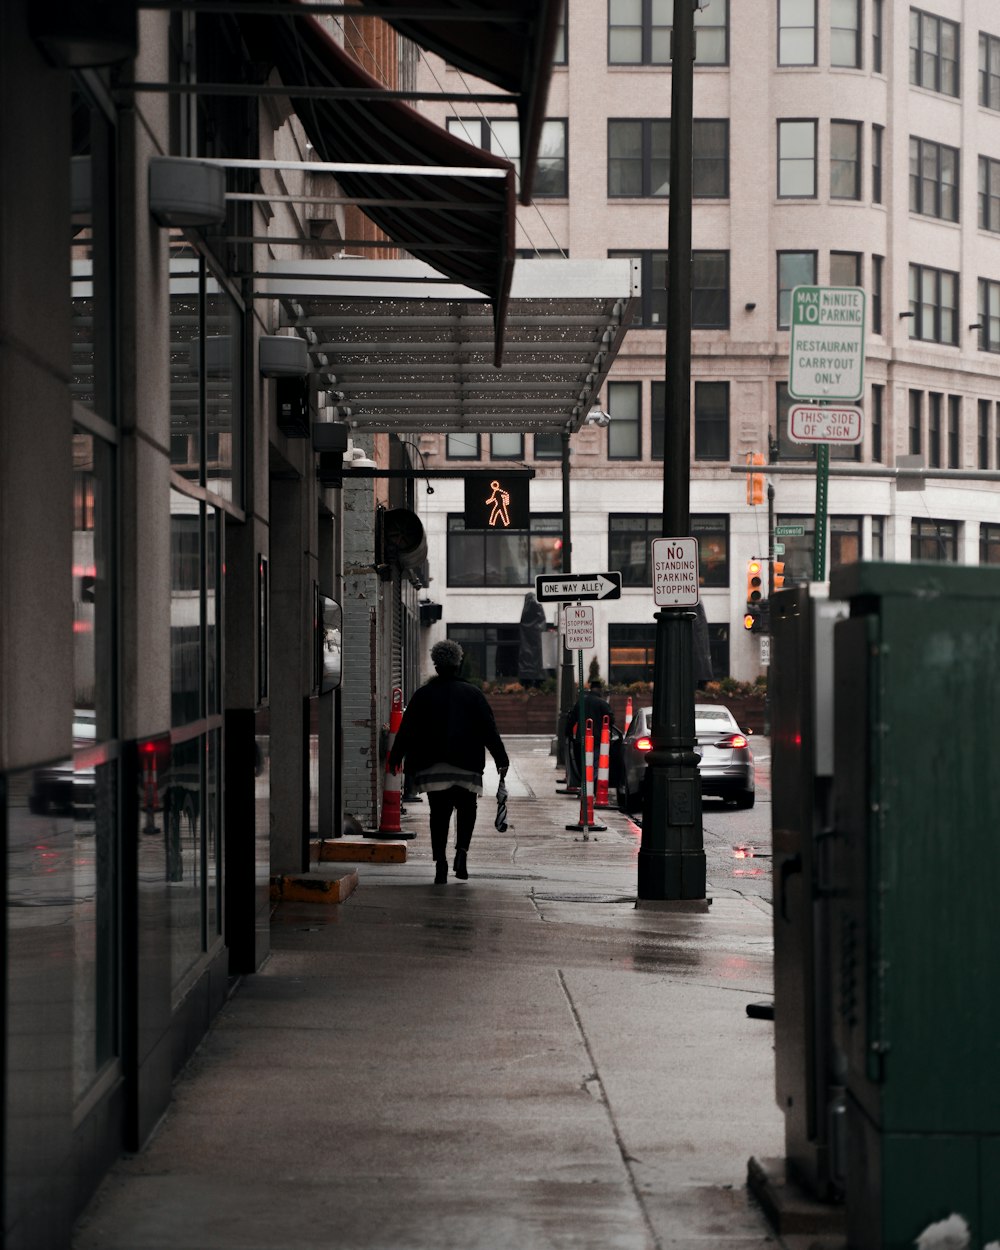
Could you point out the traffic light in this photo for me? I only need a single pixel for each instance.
(777, 574)
(750, 619)
(755, 582)
(755, 481)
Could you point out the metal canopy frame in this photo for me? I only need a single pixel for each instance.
(510, 45)
(400, 348)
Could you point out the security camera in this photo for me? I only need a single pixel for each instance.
(597, 416)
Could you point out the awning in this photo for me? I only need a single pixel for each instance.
(462, 225)
(399, 348)
(511, 47)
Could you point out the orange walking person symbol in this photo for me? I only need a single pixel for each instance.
(500, 499)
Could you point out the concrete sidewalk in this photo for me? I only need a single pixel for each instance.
(521, 1060)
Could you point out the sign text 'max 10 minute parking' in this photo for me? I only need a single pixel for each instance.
(827, 350)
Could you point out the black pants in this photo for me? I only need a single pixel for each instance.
(442, 804)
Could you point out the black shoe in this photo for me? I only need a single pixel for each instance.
(441, 876)
(461, 871)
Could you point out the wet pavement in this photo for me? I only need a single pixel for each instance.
(525, 1059)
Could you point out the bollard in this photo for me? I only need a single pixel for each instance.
(603, 765)
(391, 800)
(587, 788)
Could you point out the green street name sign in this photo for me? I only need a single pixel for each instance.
(789, 531)
(827, 349)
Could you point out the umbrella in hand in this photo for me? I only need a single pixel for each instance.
(501, 819)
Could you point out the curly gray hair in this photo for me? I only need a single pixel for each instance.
(447, 654)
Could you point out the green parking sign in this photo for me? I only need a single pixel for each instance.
(827, 349)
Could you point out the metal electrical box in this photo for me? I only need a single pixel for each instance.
(808, 1082)
(915, 933)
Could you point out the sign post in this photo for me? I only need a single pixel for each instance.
(826, 363)
(578, 625)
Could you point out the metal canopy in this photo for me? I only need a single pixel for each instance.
(471, 239)
(402, 348)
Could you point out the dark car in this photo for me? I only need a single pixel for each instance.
(62, 787)
(725, 766)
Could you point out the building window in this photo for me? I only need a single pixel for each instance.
(878, 538)
(983, 434)
(916, 422)
(989, 315)
(490, 650)
(877, 412)
(845, 160)
(462, 447)
(797, 159)
(502, 136)
(989, 71)
(933, 179)
(630, 537)
(794, 269)
(989, 544)
(989, 194)
(934, 304)
(657, 419)
(796, 32)
(878, 135)
(934, 540)
(511, 558)
(845, 540)
(631, 652)
(878, 269)
(639, 32)
(935, 402)
(799, 560)
(639, 158)
(652, 311)
(548, 446)
(711, 420)
(787, 450)
(560, 54)
(507, 446)
(934, 43)
(624, 432)
(845, 268)
(954, 431)
(845, 34)
(877, 17)
(712, 533)
(629, 551)
(709, 289)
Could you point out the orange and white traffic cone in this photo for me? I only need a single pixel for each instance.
(628, 714)
(392, 790)
(587, 787)
(603, 765)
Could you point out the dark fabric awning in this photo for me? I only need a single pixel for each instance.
(465, 218)
(511, 46)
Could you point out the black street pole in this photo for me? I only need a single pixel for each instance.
(566, 663)
(672, 853)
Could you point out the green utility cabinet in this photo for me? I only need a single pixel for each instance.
(915, 940)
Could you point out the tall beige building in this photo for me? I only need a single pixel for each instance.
(836, 142)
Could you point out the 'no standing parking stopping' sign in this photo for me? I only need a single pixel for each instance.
(675, 572)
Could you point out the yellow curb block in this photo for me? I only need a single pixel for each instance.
(357, 851)
(313, 889)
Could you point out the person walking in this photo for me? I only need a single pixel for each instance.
(446, 728)
(595, 708)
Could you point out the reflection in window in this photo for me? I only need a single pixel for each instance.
(223, 330)
(490, 650)
(934, 540)
(794, 269)
(94, 788)
(462, 446)
(796, 32)
(797, 158)
(510, 558)
(186, 634)
(182, 834)
(631, 652)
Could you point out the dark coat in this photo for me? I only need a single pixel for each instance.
(595, 708)
(447, 721)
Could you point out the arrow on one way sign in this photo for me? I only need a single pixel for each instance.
(582, 586)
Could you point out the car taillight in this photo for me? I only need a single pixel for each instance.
(733, 740)
(644, 744)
